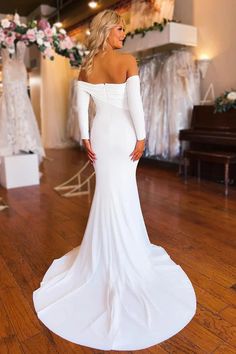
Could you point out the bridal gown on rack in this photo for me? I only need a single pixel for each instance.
(18, 126)
(116, 290)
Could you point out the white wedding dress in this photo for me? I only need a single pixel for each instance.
(116, 290)
(18, 126)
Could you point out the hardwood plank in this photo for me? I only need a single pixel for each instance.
(181, 345)
(23, 274)
(6, 278)
(229, 314)
(225, 349)
(6, 329)
(216, 325)
(39, 344)
(10, 345)
(20, 314)
(198, 334)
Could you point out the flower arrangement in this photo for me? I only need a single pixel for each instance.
(46, 37)
(226, 101)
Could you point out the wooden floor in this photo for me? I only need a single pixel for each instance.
(195, 223)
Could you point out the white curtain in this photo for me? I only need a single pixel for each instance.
(170, 86)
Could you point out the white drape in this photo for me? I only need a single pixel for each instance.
(170, 87)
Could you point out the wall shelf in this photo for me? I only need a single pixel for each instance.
(173, 33)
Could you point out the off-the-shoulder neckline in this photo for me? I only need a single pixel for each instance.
(107, 83)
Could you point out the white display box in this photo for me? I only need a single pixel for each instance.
(19, 170)
(173, 33)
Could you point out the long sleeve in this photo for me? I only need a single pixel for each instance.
(135, 106)
(82, 107)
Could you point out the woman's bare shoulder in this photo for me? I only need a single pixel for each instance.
(130, 63)
(127, 56)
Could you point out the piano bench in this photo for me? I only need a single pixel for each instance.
(225, 158)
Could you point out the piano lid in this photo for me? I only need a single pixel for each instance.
(204, 118)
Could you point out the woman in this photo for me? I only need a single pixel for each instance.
(117, 290)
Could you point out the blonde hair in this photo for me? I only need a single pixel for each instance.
(100, 28)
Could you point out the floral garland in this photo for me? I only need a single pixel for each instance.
(226, 101)
(46, 37)
(156, 26)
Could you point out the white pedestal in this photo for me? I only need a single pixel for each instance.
(19, 170)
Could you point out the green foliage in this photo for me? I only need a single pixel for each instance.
(155, 27)
(223, 103)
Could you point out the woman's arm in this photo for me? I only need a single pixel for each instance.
(135, 107)
(83, 98)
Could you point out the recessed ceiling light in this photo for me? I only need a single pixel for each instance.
(93, 4)
(87, 32)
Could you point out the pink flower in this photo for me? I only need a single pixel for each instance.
(10, 40)
(43, 24)
(66, 43)
(12, 25)
(69, 43)
(48, 32)
(62, 45)
(30, 34)
(61, 36)
(48, 52)
(2, 36)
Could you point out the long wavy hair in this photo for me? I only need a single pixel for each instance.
(100, 28)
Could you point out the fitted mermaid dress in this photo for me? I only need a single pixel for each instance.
(116, 291)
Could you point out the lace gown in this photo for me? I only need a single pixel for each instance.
(116, 290)
(18, 127)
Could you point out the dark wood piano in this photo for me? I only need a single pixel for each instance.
(211, 132)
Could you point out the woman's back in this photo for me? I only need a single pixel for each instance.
(110, 67)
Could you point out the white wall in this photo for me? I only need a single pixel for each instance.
(215, 20)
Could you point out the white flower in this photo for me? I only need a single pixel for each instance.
(80, 46)
(232, 96)
(5, 23)
(47, 44)
(39, 41)
(17, 19)
(62, 31)
(40, 34)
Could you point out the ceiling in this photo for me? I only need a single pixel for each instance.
(72, 11)
(23, 7)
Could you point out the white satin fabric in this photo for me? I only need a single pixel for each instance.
(18, 126)
(116, 290)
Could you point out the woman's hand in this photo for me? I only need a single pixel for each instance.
(90, 152)
(138, 150)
